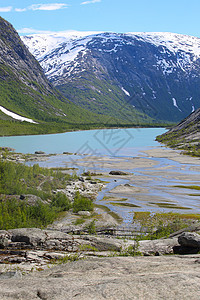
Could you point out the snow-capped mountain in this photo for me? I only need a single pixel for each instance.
(155, 73)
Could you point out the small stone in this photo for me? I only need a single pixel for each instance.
(54, 255)
(84, 213)
(81, 179)
(4, 242)
(39, 152)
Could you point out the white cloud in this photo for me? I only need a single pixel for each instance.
(5, 9)
(20, 9)
(33, 31)
(50, 6)
(90, 1)
(27, 31)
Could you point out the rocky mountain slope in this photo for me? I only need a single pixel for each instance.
(185, 135)
(25, 92)
(118, 74)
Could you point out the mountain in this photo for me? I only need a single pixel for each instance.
(26, 94)
(185, 135)
(157, 74)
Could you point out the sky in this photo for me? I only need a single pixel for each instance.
(42, 16)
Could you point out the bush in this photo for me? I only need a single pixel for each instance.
(91, 227)
(16, 214)
(61, 201)
(82, 203)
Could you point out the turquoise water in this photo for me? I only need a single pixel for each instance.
(158, 181)
(112, 142)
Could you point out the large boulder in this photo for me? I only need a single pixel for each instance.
(30, 236)
(117, 173)
(189, 239)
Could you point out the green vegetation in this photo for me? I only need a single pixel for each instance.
(82, 203)
(132, 250)
(108, 198)
(158, 225)
(104, 97)
(65, 259)
(168, 205)
(124, 204)
(20, 211)
(16, 214)
(111, 213)
(191, 187)
(80, 221)
(180, 139)
(91, 227)
(86, 247)
(52, 111)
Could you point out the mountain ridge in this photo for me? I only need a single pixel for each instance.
(27, 95)
(156, 73)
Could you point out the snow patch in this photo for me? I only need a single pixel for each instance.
(193, 108)
(15, 116)
(175, 104)
(125, 92)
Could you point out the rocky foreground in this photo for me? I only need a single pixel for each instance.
(49, 264)
(165, 277)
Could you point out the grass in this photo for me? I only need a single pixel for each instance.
(79, 221)
(178, 140)
(124, 204)
(158, 225)
(113, 199)
(86, 247)
(111, 213)
(65, 259)
(191, 187)
(62, 169)
(131, 250)
(18, 180)
(168, 205)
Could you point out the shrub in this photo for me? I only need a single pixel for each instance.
(91, 227)
(61, 201)
(82, 203)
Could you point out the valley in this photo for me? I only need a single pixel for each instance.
(99, 150)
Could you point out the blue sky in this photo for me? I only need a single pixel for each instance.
(32, 16)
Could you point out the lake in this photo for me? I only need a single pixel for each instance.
(112, 142)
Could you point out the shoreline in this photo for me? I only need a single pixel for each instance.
(149, 185)
(167, 126)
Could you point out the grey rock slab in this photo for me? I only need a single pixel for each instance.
(157, 247)
(36, 236)
(32, 236)
(152, 247)
(105, 244)
(113, 278)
